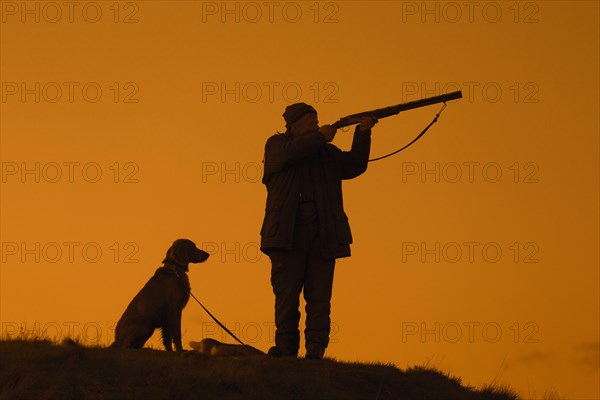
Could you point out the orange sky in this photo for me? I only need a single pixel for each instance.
(125, 126)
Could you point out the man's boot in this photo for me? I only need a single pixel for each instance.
(279, 352)
(314, 352)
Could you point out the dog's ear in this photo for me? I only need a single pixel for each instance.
(178, 252)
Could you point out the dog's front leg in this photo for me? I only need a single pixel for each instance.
(167, 338)
(177, 332)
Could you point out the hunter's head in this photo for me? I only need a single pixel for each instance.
(300, 118)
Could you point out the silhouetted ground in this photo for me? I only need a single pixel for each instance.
(42, 370)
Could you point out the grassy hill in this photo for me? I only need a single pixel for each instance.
(43, 370)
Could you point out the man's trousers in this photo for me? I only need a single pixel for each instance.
(303, 267)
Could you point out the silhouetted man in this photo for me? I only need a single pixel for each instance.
(305, 227)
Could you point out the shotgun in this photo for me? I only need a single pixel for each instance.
(393, 110)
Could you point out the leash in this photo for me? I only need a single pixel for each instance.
(415, 139)
(216, 320)
(208, 312)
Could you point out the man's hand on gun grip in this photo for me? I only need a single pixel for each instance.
(366, 123)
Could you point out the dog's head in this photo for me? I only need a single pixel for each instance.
(184, 251)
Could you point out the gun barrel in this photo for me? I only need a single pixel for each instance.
(393, 110)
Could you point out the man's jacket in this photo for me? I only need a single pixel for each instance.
(285, 156)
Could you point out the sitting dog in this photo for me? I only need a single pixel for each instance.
(212, 347)
(160, 302)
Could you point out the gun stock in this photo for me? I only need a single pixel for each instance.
(393, 110)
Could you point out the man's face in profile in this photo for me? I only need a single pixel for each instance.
(306, 123)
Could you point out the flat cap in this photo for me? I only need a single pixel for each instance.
(294, 111)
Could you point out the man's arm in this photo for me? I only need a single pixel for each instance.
(355, 161)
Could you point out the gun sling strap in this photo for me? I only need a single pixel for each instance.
(415, 139)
